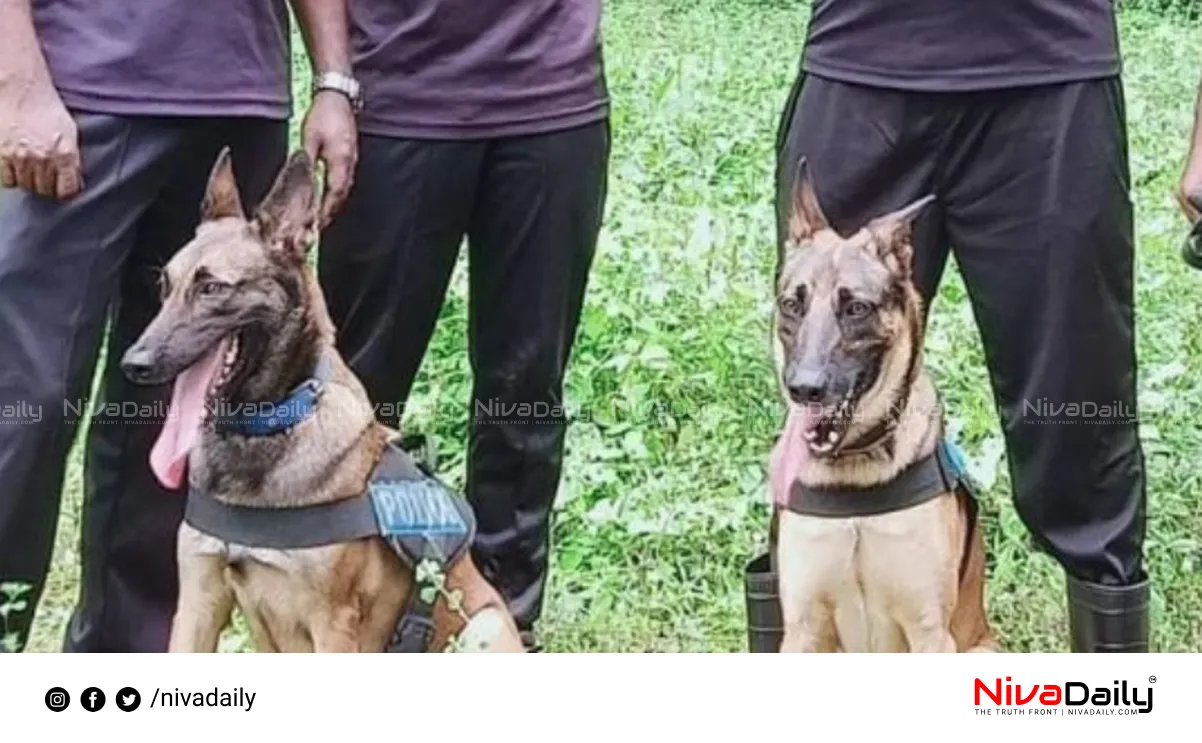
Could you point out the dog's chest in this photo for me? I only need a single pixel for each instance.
(869, 575)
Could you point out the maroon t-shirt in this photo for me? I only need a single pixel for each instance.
(456, 69)
(168, 57)
(961, 45)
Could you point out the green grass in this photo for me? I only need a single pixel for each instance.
(664, 486)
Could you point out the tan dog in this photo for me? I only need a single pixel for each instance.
(243, 322)
(863, 412)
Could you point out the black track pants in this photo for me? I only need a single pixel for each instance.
(530, 208)
(1032, 187)
(65, 270)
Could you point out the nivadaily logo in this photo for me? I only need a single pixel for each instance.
(1069, 698)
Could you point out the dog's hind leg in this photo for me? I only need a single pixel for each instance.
(488, 632)
(489, 628)
(970, 621)
(338, 633)
(335, 641)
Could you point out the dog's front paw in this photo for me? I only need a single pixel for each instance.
(488, 632)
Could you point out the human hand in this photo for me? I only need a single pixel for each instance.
(39, 142)
(329, 136)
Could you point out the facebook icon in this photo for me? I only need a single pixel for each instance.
(92, 699)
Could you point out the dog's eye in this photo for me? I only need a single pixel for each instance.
(790, 306)
(211, 287)
(858, 308)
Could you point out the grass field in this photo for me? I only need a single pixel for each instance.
(664, 489)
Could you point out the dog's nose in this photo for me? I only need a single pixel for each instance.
(807, 386)
(137, 364)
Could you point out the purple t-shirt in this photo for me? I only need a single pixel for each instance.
(459, 69)
(962, 45)
(168, 57)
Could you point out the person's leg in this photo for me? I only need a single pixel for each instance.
(1041, 222)
(60, 265)
(533, 235)
(128, 586)
(386, 260)
(869, 151)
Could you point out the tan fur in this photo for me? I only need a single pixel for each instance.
(337, 598)
(890, 582)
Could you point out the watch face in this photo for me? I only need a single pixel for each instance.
(347, 86)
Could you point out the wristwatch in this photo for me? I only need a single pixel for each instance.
(340, 83)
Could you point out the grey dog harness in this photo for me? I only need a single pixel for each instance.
(416, 514)
(929, 477)
(941, 471)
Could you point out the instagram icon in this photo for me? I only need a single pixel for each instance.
(57, 699)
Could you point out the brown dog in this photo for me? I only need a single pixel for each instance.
(863, 414)
(243, 322)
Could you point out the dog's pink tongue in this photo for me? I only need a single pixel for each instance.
(169, 457)
(788, 454)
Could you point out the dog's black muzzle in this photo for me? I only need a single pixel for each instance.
(140, 365)
(150, 364)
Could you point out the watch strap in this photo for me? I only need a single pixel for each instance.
(340, 83)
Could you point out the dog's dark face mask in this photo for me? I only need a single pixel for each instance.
(234, 300)
(846, 319)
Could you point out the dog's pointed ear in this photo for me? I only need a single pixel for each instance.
(287, 218)
(893, 233)
(805, 214)
(221, 198)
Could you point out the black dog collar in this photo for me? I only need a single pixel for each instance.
(929, 477)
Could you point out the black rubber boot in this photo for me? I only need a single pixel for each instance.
(1192, 250)
(531, 642)
(765, 626)
(1108, 619)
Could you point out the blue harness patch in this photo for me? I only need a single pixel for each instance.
(421, 518)
(408, 508)
(958, 463)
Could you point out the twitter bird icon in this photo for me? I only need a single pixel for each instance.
(128, 699)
